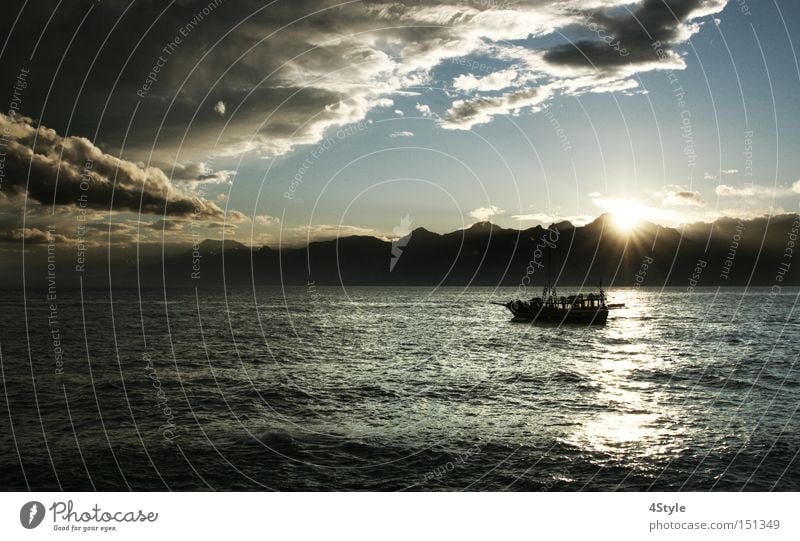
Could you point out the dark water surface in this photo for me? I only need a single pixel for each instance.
(399, 388)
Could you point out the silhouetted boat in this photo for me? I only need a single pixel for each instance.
(589, 309)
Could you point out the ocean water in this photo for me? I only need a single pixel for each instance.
(314, 388)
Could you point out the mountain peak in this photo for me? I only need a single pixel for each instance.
(423, 231)
(483, 227)
(214, 245)
(604, 219)
(564, 224)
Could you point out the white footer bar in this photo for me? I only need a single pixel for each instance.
(354, 516)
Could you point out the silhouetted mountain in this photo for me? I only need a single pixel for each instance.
(727, 252)
(211, 247)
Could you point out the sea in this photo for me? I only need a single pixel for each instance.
(317, 388)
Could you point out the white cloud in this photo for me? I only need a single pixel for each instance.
(723, 190)
(267, 220)
(547, 219)
(712, 176)
(484, 214)
(756, 191)
(398, 112)
(401, 134)
(423, 109)
(219, 108)
(494, 81)
(748, 213)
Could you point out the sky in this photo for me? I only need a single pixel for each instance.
(125, 122)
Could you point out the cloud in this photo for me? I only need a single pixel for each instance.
(297, 69)
(64, 170)
(464, 114)
(282, 77)
(595, 194)
(398, 112)
(105, 227)
(423, 109)
(680, 197)
(166, 225)
(627, 40)
(267, 220)
(547, 219)
(230, 229)
(723, 190)
(484, 214)
(498, 80)
(401, 134)
(750, 213)
(757, 191)
(191, 176)
(712, 176)
(33, 235)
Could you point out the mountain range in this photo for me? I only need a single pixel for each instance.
(726, 252)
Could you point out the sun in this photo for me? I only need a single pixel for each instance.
(627, 213)
(626, 222)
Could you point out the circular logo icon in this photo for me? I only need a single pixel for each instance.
(31, 514)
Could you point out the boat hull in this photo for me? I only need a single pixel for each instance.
(586, 316)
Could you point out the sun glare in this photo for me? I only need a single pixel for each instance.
(626, 222)
(627, 213)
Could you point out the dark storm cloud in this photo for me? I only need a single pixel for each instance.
(152, 73)
(272, 71)
(72, 171)
(629, 38)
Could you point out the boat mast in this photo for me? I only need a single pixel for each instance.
(551, 291)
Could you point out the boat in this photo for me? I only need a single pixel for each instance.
(589, 309)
